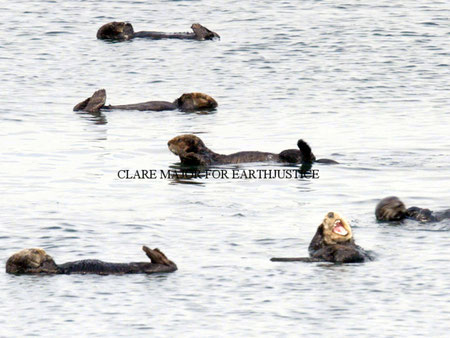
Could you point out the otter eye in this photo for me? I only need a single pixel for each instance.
(330, 215)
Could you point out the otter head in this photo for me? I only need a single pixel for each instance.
(336, 229)
(195, 101)
(31, 261)
(184, 144)
(390, 209)
(116, 31)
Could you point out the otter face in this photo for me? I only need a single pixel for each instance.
(183, 144)
(195, 101)
(116, 31)
(31, 261)
(390, 209)
(336, 229)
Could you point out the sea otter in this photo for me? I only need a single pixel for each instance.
(392, 209)
(186, 102)
(333, 242)
(124, 31)
(192, 151)
(37, 261)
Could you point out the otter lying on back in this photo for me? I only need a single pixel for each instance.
(124, 31)
(392, 209)
(36, 261)
(333, 242)
(192, 151)
(186, 102)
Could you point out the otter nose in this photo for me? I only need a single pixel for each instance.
(330, 215)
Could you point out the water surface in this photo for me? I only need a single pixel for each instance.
(364, 83)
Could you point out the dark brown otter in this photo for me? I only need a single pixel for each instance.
(124, 31)
(37, 261)
(333, 242)
(186, 102)
(392, 209)
(192, 151)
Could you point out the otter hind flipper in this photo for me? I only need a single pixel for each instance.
(81, 105)
(92, 104)
(307, 155)
(157, 256)
(296, 259)
(203, 33)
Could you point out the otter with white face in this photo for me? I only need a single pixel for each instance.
(186, 102)
(37, 261)
(393, 209)
(335, 229)
(193, 151)
(333, 242)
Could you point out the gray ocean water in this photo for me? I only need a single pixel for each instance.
(365, 83)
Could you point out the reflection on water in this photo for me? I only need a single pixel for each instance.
(97, 118)
(365, 84)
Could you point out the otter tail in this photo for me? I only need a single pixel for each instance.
(92, 104)
(305, 149)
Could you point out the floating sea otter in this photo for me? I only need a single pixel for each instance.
(36, 261)
(392, 209)
(186, 102)
(124, 31)
(192, 151)
(333, 242)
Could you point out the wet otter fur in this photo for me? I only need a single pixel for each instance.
(192, 151)
(37, 261)
(186, 102)
(333, 242)
(392, 209)
(116, 31)
(121, 31)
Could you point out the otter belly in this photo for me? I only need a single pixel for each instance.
(145, 106)
(95, 266)
(162, 35)
(248, 157)
(342, 254)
